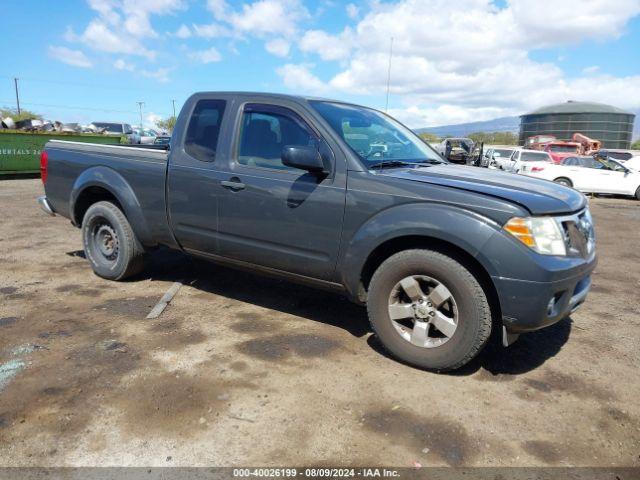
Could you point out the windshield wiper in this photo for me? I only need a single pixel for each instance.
(392, 163)
(404, 163)
(430, 161)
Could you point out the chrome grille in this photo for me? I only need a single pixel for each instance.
(579, 234)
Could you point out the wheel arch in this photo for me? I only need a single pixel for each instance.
(105, 184)
(450, 230)
(408, 242)
(562, 177)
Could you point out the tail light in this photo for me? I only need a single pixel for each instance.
(537, 169)
(44, 160)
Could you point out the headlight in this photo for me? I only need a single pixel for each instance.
(542, 234)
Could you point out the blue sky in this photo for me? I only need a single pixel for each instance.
(453, 61)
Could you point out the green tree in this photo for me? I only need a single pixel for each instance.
(167, 124)
(429, 137)
(636, 145)
(495, 138)
(24, 114)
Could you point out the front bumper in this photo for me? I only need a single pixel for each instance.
(46, 206)
(530, 305)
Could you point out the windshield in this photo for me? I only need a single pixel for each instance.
(502, 152)
(534, 157)
(609, 164)
(374, 136)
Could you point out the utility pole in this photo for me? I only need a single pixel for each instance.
(15, 81)
(174, 108)
(140, 105)
(386, 105)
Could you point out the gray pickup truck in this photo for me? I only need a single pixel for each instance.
(340, 196)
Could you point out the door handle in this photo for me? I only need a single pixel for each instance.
(234, 184)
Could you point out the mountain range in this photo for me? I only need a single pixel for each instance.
(502, 124)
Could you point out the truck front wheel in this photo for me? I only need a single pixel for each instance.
(428, 310)
(110, 245)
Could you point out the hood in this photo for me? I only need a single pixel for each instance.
(538, 196)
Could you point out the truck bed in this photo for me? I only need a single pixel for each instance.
(143, 171)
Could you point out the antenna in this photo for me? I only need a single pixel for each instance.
(386, 105)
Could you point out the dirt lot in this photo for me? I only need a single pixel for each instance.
(246, 370)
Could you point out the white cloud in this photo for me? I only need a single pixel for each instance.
(570, 21)
(219, 8)
(328, 47)
(467, 59)
(121, 26)
(99, 36)
(121, 64)
(206, 56)
(278, 47)
(211, 30)
(160, 74)
(66, 55)
(591, 69)
(261, 18)
(300, 78)
(182, 32)
(152, 119)
(352, 10)
(107, 9)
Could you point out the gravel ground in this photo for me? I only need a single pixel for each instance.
(247, 370)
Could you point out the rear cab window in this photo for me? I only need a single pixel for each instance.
(201, 140)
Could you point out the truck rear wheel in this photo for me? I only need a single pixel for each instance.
(110, 245)
(428, 310)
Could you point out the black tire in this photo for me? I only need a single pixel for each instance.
(564, 181)
(110, 245)
(474, 313)
(638, 193)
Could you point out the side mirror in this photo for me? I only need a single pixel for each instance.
(303, 157)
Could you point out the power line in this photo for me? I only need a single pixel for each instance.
(49, 105)
(76, 84)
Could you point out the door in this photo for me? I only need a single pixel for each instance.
(192, 185)
(610, 177)
(275, 215)
(509, 164)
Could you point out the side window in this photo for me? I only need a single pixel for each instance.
(203, 130)
(264, 132)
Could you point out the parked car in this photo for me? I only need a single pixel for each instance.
(438, 253)
(147, 135)
(520, 158)
(162, 140)
(118, 129)
(457, 150)
(592, 175)
(494, 155)
(620, 155)
(633, 164)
